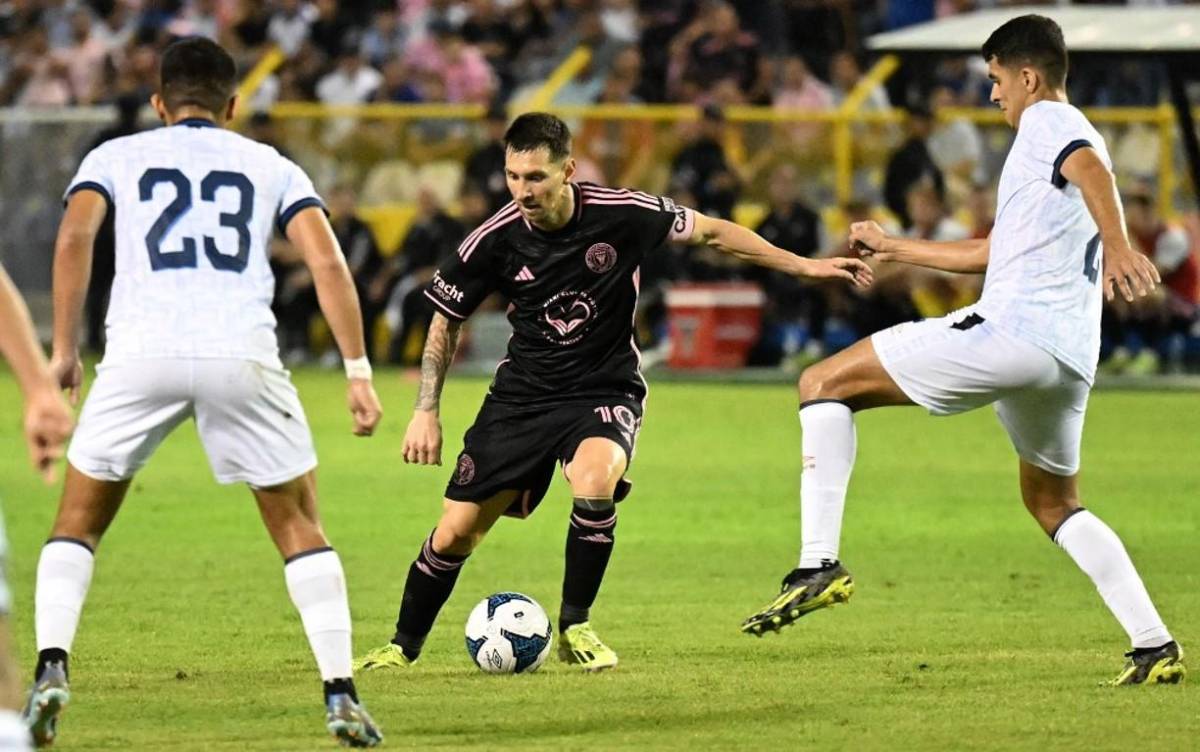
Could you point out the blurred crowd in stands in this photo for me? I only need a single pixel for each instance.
(932, 177)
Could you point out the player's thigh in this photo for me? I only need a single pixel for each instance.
(1045, 423)
(130, 409)
(251, 423)
(599, 441)
(508, 448)
(959, 362)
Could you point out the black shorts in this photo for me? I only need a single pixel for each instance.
(516, 447)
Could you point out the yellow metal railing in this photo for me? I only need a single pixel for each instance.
(843, 145)
(265, 66)
(562, 75)
(841, 121)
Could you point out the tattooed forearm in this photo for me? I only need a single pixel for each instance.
(440, 345)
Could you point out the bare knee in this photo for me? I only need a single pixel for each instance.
(596, 468)
(818, 382)
(594, 480)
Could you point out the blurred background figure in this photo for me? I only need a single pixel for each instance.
(701, 168)
(912, 164)
(1145, 337)
(484, 170)
(471, 65)
(795, 313)
(434, 235)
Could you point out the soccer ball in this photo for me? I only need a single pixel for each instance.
(508, 633)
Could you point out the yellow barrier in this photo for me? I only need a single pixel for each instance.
(265, 66)
(562, 75)
(841, 120)
(843, 147)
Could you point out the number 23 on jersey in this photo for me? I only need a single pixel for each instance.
(185, 258)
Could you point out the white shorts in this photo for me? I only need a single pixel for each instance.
(960, 362)
(248, 416)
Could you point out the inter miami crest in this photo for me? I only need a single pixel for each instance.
(600, 258)
(464, 472)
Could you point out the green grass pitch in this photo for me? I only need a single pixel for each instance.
(968, 630)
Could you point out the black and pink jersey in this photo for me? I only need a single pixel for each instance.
(573, 291)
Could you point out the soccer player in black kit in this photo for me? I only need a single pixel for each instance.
(570, 390)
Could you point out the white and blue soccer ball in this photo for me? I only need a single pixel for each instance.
(508, 633)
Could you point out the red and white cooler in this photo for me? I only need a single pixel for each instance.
(713, 325)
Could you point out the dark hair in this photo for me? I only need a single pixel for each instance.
(535, 130)
(1030, 40)
(196, 71)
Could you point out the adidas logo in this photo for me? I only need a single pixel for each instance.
(524, 275)
(597, 538)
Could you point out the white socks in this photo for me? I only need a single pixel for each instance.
(14, 734)
(318, 588)
(828, 445)
(63, 575)
(1099, 553)
(314, 581)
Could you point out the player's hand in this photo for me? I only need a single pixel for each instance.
(852, 270)
(423, 439)
(68, 372)
(364, 406)
(867, 239)
(1131, 273)
(48, 425)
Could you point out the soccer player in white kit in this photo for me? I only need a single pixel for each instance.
(1029, 347)
(48, 423)
(191, 335)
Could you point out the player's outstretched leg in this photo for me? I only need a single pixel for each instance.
(316, 584)
(432, 575)
(830, 392)
(595, 472)
(1054, 501)
(64, 575)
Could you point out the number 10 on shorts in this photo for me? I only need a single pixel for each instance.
(625, 418)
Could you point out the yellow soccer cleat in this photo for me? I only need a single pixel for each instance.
(1161, 665)
(579, 645)
(803, 591)
(388, 656)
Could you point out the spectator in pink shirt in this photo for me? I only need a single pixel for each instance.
(462, 67)
(85, 59)
(799, 89)
(38, 78)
